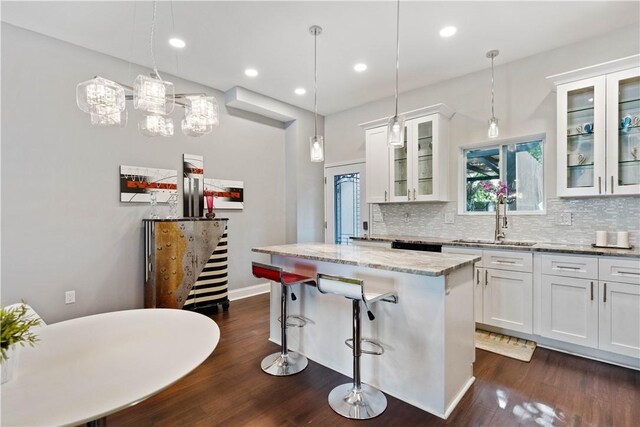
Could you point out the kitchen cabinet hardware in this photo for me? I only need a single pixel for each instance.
(604, 294)
(591, 291)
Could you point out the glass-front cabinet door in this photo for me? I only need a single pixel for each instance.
(399, 169)
(423, 129)
(623, 132)
(581, 138)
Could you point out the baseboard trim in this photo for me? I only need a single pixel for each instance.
(249, 291)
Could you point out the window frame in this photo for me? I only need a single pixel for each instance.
(500, 143)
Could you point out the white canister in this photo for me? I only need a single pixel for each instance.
(601, 238)
(623, 239)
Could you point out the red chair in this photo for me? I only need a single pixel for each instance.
(285, 362)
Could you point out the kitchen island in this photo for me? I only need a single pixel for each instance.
(428, 337)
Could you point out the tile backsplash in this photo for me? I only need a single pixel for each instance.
(587, 215)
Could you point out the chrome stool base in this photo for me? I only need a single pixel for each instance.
(283, 365)
(362, 404)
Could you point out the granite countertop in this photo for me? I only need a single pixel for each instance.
(537, 247)
(413, 262)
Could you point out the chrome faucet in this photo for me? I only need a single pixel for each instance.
(501, 218)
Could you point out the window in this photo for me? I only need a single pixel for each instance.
(516, 166)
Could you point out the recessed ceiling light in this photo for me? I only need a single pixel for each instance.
(175, 42)
(360, 67)
(448, 31)
(300, 91)
(251, 72)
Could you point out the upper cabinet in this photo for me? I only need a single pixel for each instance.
(417, 171)
(599, 135)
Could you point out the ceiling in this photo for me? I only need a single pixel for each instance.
(224, 38)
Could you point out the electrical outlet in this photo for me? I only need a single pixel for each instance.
(564, 218)
(449, 218)
(70, 297)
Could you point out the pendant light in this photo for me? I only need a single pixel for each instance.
(316, 142)
(395, 133)
(493, 122)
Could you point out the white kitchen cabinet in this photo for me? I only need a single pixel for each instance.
(591, 301)
(377, 165)
(597, 153)
(503, 287)
(619, 330)
(569, 310)
(416, 172)
(416, 169)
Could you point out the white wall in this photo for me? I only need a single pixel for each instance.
(63, 226)
(524, 102)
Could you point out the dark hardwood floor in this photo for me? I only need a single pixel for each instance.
(229, 389)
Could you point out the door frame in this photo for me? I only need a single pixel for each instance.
(341, 168)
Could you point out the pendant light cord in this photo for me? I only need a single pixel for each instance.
(493, 116)
(315, 81)
(153, 29)
(397, 52)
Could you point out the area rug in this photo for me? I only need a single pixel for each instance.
(516, 348)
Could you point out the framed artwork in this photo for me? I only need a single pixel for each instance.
(137, 183)
(226, 194)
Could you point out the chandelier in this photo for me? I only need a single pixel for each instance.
(104, 100)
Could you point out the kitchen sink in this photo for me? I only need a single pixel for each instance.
(493, 242)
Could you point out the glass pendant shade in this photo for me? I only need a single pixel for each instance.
(115, 119)
(153, 95)
(493, 128)
(100, 96)
(201, 115)
(316, 143)
(395, 131)
(156, 125)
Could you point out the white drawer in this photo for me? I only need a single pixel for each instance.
(456, 250)
(508, 260)
(620, 270)
(570, 266)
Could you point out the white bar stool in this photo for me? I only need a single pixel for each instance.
(285, 362)
(356, 400)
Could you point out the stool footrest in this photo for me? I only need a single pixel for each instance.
(379, 349)
(299, 321)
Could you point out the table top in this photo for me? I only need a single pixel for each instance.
(86, 368)
(405, 261)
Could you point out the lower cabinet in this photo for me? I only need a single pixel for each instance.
(592, 312)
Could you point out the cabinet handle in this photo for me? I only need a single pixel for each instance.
(599, 185)
(414, 193)
(385, 195)
(486, 282)
(611, 184)
(503, 262)
(477, 276)
(604, 298)
(561, 267)
(408, 194)
(591, 291)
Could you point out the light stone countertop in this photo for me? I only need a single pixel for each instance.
(413, 262)
(538, 247)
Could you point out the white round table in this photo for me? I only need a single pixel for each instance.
(86, 368)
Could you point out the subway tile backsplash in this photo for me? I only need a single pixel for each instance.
(587, 215)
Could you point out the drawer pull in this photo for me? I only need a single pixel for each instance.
(486, 282)
(562, 267)
(477, 277)
(504, 262)
(591, 291)
(628, 273)
(604, 299)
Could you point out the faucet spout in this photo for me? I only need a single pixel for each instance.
(501, 218)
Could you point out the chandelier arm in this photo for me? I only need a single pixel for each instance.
(315, 82)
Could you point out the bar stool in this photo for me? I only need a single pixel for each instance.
(356, 400)
(285, 362)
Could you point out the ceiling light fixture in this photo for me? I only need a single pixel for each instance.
(105, 100)
(448, 31)
(316, 142)
(493, 122)
(395, 133)
(177, 43)
(251, 72)
(300, 91)
(360, 67)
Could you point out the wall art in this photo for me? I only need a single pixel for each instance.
(137, 183)
(193, 186)
(227, 194)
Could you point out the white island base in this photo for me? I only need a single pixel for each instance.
(428, 336)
